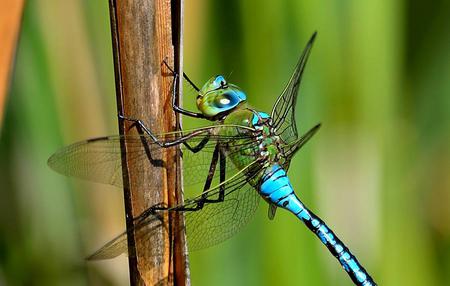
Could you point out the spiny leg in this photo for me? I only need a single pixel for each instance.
(161, 207)
(183, 139)
(175, 107)
(184, 76)
(150, 211)
(222, 176)
(174, 142)
(212, 169)
(199, 146)
(204, 199)
(223, 166)
(178, 109)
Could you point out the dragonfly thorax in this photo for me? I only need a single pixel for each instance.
(269, 142)
(217, 98)
(267, 146)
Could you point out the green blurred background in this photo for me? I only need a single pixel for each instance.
(378, 172)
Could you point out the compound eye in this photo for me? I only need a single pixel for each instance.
(223, 100)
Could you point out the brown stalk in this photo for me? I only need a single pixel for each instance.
(144, 33)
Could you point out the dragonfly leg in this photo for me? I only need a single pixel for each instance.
(175, 107)
(172, 143)
(199, 204)
(184, 76)
(151, 211)
(223, 168)
(199, 146)
(217, 156)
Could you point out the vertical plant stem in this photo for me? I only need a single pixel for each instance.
(181, 260)
(144, 34)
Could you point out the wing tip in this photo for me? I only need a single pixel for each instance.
(53, 161)
(312, 39)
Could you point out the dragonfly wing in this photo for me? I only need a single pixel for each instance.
(271, 211)
(143, 231)
(112, 249)
(100, 160)
(283, 112)
(212, 224)
(289, 150)
(217, 222)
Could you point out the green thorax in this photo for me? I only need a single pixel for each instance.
(265, 145)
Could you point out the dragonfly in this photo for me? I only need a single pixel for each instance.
(243, 156)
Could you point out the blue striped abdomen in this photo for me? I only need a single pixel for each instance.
(276, 188)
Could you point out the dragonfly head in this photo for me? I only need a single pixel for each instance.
(217, 98)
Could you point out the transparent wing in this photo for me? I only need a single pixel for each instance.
(214, 223)
(220, 221)
(283, 112)
(289, 150)
(100, 160)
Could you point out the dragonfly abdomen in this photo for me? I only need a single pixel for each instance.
(276, 188)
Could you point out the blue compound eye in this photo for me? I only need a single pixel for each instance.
(217, 96)
(225, 100)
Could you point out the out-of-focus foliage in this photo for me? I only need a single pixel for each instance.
(377, 172)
